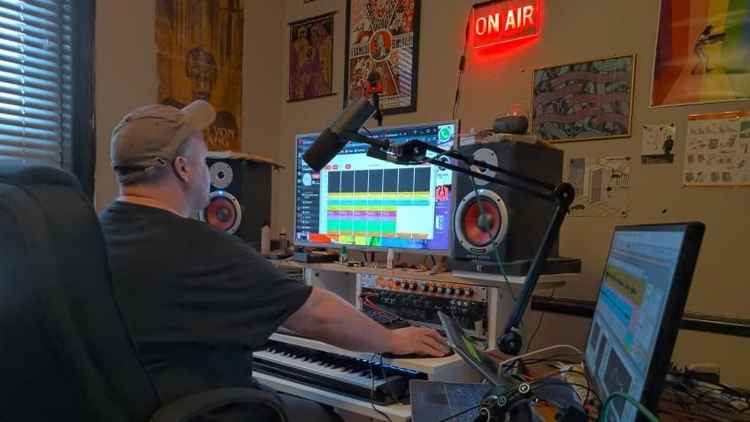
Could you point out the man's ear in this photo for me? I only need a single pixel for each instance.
(181, 168)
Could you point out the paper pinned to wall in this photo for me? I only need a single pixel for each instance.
(601, 185)
(717, 150)
(658, 143)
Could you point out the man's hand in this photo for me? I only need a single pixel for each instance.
(423, 341)
(328, 318)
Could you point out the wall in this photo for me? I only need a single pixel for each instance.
(126, 76)
(573, 30)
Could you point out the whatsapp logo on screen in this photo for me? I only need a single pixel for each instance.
(445, 133)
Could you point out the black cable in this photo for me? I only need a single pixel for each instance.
(372, 391)
(461, 67)
(538, 326)
(382, 372)
(460, 413)
(482, 218)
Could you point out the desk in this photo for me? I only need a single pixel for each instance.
(546, 281)
(345, 281)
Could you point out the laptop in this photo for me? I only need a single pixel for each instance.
(641, 300)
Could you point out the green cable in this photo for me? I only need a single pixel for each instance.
(605, 408)
(495, 248)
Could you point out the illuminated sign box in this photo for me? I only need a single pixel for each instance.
(499, 22)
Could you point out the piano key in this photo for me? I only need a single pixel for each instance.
(349, 375)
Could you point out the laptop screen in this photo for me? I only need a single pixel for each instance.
(637, 284)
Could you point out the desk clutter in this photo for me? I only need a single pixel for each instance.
(620, 374)
(493, 207)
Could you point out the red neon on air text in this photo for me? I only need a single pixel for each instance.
(504, 21)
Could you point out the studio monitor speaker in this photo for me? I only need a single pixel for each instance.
(492, 221)
(240, 198)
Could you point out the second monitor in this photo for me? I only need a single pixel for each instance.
(367, 203)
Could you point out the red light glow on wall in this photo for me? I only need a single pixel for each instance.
(501, 22)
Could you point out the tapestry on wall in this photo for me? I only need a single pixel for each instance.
(311, 58)
(702, 52)
(382, 39)
(199, 56)
(583, 101)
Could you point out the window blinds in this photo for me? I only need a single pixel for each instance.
(35, 80)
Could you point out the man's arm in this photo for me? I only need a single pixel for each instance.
(327, 317)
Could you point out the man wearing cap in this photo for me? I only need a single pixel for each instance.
(195, 299)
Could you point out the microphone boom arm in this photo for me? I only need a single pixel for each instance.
(415, 152)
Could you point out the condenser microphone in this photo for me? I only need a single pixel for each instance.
(333, 139)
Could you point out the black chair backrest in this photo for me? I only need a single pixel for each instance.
(65, 353)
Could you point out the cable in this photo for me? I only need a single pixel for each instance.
(540, 383)
(482, 218)
(390, 393)
(462, 66)
(538, 325)
(460, 413)
(372, 390)
(641, 408)
(536, 352)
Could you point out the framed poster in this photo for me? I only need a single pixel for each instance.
(199, 56)
(382, 38)
(311, 58)
(583, 101)
(702, 52)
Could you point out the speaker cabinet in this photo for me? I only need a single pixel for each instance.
(240, 198)
(491, 219)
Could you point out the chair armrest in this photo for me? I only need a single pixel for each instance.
(184, 409)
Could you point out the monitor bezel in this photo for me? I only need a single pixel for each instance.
(670, 324)
(434, 252)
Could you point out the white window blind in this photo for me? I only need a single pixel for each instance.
(35, 80)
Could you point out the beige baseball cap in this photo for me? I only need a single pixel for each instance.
(149, 136)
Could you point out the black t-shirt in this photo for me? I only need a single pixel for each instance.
(196, 300)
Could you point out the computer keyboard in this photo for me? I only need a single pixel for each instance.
(389, 321)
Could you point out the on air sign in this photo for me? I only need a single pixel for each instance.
(498, 22)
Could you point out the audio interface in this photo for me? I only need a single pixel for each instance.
(418, 301)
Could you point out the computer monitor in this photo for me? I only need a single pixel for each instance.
(370, 204)
(641, 300)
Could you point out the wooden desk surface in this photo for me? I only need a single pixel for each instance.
(547, 281)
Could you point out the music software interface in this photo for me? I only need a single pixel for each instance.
(362, 201)
(629, 311)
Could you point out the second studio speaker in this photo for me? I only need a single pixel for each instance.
(511, 223)
(240, 196)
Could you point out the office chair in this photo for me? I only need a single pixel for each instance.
(65, 353)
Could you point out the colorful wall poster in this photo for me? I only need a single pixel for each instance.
(717, 150)
(583, 101)
(311, 58)
(199, 56)
(382, 38)
(702, 52)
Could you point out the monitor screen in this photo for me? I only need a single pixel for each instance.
(368, 203)
(637, 283)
